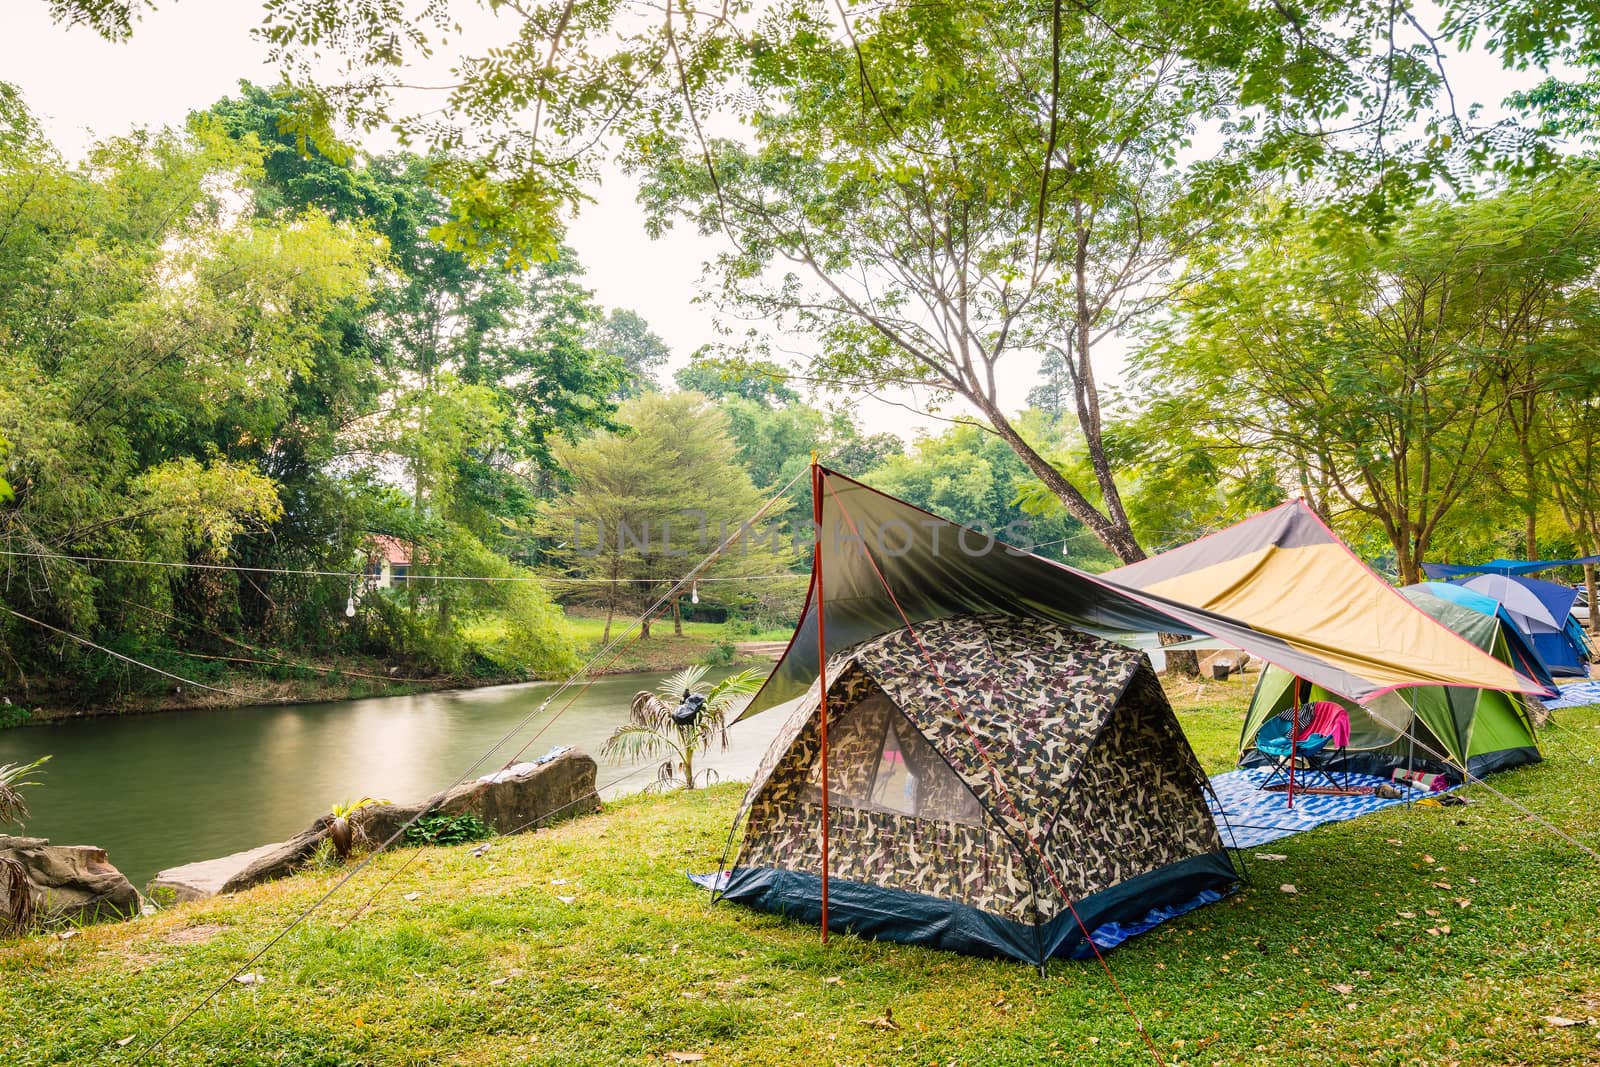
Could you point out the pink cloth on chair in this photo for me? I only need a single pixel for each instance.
(1331, 721)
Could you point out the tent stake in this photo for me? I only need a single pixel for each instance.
(822, 677)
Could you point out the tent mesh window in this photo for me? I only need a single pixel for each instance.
(878, 761)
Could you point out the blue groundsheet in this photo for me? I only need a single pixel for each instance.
(1578, 695)
(1248, 816)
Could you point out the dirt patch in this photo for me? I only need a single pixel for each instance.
(194, 935)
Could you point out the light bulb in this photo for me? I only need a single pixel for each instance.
(350, 608)
(694, 593)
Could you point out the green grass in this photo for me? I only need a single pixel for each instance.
(489, 965)
(663, 650)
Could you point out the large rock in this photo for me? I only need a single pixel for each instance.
(515, 800)
(522, 797)
(229, 874)
(72, 882)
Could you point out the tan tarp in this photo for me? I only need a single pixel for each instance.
(1286, 574)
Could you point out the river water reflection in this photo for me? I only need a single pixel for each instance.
(159, 790)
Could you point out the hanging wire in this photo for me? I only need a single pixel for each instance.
(115, 654)
(313, 573)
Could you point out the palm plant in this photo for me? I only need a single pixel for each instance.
(652, 733)
(13, 780)
(344, 828)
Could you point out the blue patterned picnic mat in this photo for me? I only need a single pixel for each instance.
(1248, 816)
(1577, 695)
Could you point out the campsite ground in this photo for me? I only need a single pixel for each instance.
(1429, 936)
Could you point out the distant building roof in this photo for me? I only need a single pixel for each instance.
(390, 550)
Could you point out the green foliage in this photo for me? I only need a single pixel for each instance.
(14, 715)
(721, 654)
(13, 779)
(112, 19)
(628, 339)
(643, 508)
(1403, 379)
(234, 345)
(444, 830)
(968, 474)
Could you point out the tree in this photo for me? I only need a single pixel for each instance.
(1379, 369)
(1569, 425)
(1360, 92)
(149, 337)
(1000, 185)
(628, 339)
(644, 507)
(759, 380)
(972, 477)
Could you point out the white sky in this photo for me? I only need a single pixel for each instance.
(189, 53)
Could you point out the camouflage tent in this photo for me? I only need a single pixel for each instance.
(998, 785)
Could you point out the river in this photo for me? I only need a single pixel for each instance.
(158, 790)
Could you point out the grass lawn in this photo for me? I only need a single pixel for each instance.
(1428, 936)
(664, 650)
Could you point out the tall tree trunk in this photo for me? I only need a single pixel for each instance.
(677, 617)
(1116, 537)
(1589, 590)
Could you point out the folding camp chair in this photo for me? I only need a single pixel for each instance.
(1310, 753)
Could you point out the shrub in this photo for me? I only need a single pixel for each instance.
(441, 829)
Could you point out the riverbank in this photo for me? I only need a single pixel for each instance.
(1440, 936)
(292, 680)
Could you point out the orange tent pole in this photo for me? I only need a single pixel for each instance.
(822, 675)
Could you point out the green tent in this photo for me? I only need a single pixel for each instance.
(1482, 730)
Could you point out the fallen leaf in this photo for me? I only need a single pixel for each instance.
(249, 979)
(1287, 888)
(884, 1021)
(1406, 914)
(1557, 1020)
(1463, 902)
(685, 1057)
(1429, 860)
(1441, 885)
(1344, 989)
(567, 900)
(558, 881)
(65, 935)
(413, 896)
(832, 979)
(125, 1041)
(1269, 856)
